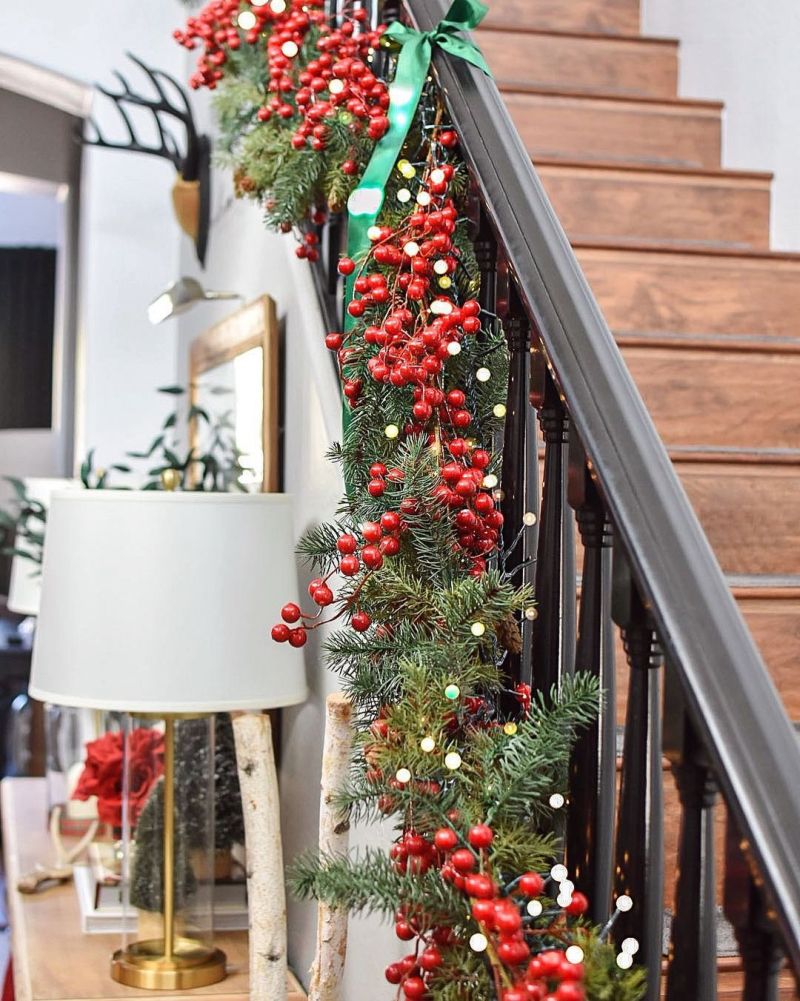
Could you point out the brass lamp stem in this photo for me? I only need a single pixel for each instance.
(169, 837)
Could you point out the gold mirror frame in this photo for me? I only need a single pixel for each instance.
(253, 326)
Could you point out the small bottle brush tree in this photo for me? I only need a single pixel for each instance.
(191, 817)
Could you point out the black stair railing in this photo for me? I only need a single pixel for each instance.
(698, 694)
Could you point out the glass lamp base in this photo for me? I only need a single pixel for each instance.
(144, 965)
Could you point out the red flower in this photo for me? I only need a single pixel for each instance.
(102, 774)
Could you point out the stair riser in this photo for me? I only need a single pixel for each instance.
(624, 132)
(610, 17)
(587, 65)
(646, 293)
(654, 208)
(717, 399)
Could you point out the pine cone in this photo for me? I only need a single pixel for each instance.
(509, 635)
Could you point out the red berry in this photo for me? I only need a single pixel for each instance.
(456, 398)
(346, 266)
(570, 991)
(531, 884)
(372, 557)
(360, 621)
(507, 919)
(550, 962)
(448, 138)
(347, 544)
(483, 911)
(349, 565)
(371, 531)
(414, 988)
(445, 839)
(479, 885)
(290, 612)
(515, 994)
(297, 637)
(404, 931)
(390, 521)
(463, 860)
(334, 341)
(480, 836)
(349, 167)
(578, 905)
(376, 487)
(280, 633)
(394, 973)
(430, 958)
(390, 547)
(323, 595)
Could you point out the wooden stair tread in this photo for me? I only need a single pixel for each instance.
(705, 401)
(609, 17)
(644, 291)
(625, 100)
(623, 132)
(737, 176)
(658, 208)
(593, 64)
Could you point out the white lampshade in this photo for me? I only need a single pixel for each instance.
(163, 602)
(24, 590)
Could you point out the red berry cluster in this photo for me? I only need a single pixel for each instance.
(339, 78)
(546, 975)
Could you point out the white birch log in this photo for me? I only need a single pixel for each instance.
(334, 836)
(266, 893)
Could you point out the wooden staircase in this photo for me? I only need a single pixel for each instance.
(676, 250)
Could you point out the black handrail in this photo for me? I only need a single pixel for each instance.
(730, 698)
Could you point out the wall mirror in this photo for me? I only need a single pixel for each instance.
(233, 371)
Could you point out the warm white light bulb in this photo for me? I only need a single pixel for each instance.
(478, 942)
(499, 409)
(529, 518)
(411, 249)
(404, 195)
(624, 903)
(556, 801)
(559, 873)
(427, 744)
(391, 431)
(483, 375)
(564, 899)
(454, 348)
(290, 49)
(374, 233)
(630, 945)
(423, 199)
(441, 307)
(247, 20)
(452, 760)
(534, 908)
(574, 954)
(489, 481)
(278, 6)
(438, 176)
(336, 86)
(624, 961)
(477, 629)
(440, 267)
(403, 775)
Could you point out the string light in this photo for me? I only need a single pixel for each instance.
(452, 760)
(404, 195)
(411, 249)
(559, 873)
(624, 903)
(391, 431)
(374, 233)
(531, 613)
(630, 945)
(454, 348)
(499, 409)
(529, 518)
(401, 165)
(290, 49)
(278, 6)
(442, 307)
(441, 267)
(263, 3)
(445, 281)
(247, 20)
(478, 942)
(452, 692)
(564, 899)
(483, 375)
(624, 961)
(574, 954)
(567, 887)
(556, 801)
(423, 199)
(403, 775)
(427, 744)
(477, 629)
(510, 728)
(490, 481)
(336, 86)
(534, 908)
(409, 171)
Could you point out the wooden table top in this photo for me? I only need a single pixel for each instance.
(53, 959)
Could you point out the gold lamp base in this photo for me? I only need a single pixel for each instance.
(144, 965)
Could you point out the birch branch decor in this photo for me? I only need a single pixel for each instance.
(334, 836)
(266, 892)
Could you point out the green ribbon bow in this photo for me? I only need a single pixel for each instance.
(405, 91)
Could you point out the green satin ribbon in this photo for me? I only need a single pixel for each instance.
(413, 63)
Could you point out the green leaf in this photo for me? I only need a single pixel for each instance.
(172, 390)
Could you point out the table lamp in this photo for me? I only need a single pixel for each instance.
(158, 604)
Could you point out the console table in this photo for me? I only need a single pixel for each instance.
(53, 960)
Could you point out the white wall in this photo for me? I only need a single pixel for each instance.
(131, 242)
(30, 220)
(745, 54)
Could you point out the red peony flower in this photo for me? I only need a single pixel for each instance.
(102, 774)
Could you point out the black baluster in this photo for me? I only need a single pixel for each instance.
(693, 949)
(759, 944)
(553, 646)
(639, 869)
(590, 825)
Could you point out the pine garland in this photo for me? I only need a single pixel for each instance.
(413, 567)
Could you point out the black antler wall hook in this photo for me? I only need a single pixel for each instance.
(191, 193)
